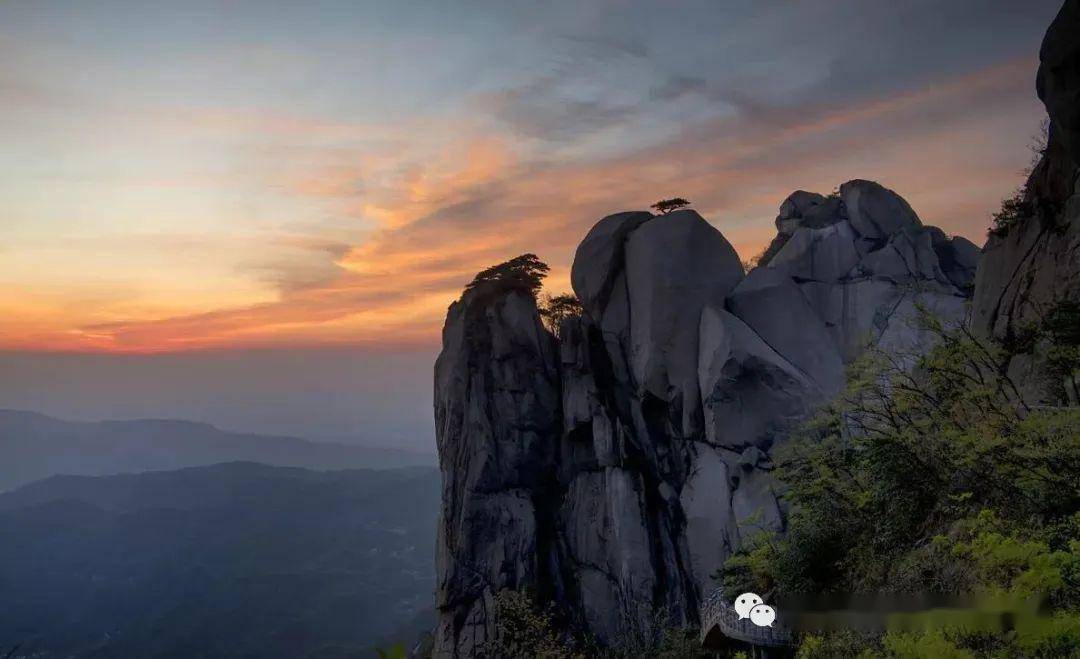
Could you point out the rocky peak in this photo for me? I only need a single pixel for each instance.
(864, 230)
(496, 414)
(666, 268)
(615, 469)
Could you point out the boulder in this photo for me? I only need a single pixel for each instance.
(876, 212)
(673, 267)
(750, 392)
(909, 255)
(825, 254)
(599, 258)
(755, 505)
(958, 258)
(772, 305)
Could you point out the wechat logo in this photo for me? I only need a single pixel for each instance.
(750, 605)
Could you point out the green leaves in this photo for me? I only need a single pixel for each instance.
(931, 474)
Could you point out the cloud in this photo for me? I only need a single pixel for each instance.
(353, 225)
(460, 215)
(546, 115)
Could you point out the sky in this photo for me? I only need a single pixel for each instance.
(256, 213)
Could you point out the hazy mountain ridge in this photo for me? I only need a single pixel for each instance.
(35, 446)
(235, 559)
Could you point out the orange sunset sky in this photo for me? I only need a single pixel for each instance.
(185, 177)
(213, 181)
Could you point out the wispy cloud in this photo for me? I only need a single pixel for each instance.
(286, 180)
(445, 222)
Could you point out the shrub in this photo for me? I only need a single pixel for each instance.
(523, 629)
(1014, 211)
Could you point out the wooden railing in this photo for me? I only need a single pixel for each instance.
(717, 612)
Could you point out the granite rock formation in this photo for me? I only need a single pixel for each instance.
(497, 412)
(1034, 264)
(614, 468)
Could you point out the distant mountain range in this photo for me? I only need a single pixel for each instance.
(34, 446)
(231, 560)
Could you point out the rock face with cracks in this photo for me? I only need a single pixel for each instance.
(613, 469)
(1033, 265)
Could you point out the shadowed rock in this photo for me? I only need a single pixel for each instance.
(1034, 265)
(875, 211)
(497, 422)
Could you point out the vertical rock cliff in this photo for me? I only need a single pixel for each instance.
(615, 468)
(497, 419)
(1034, 265)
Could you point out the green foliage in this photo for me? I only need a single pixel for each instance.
(930, 474)
(523, 629)
(1017, 208)
(1062, 332)
(665, 206)
(554, 310)
(679, 643)
(1013, 211)
(1056, 340)
(926, 645)
(840, 645)
(525, 273)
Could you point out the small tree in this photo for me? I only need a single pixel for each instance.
(665, 206)
(525, 272)
(525, 629)
(554, 310)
